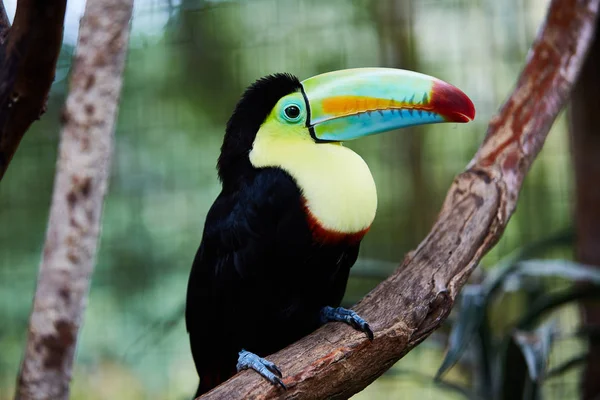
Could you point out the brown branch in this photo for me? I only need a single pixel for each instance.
(28, 59)
(80, 185)
(336, 361)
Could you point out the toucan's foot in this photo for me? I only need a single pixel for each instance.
(339, 314)
(265, 368)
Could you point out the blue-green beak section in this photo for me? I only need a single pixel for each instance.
(352, 103)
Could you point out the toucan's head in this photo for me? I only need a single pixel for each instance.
(335, 107)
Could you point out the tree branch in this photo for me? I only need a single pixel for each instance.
(27, 65)
(336, 361)
(80, 185)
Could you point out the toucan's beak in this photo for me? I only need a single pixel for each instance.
(352, 103)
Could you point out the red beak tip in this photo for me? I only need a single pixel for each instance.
(470, 109)
(452, 103)
(458, 117)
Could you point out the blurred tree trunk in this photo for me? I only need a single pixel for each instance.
(206, 50)
(80, 185)
(395, 28)
(585, 138)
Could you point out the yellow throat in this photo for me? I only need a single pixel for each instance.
(335, 181)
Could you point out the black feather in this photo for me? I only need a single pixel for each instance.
(249, 114)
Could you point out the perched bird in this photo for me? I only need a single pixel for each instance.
(281, 237)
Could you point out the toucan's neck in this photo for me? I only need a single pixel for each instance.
(335, 182)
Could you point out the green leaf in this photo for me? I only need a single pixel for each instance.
(508, 264)
(565, 269)
(550, 302)
(470, 317)
(535, 347)
(525, 361)
(518, 274)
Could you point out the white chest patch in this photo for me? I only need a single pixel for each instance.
(335, 181)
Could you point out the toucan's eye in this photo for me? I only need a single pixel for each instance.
(292, 112)
(291, 109)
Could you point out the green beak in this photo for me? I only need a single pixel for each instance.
(352, 103)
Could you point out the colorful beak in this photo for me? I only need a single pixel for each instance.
(352, 103)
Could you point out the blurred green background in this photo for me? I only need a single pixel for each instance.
(188, 63)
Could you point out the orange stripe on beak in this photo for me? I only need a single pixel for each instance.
(349, 105)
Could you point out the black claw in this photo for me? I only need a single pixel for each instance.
(279, 382)
(348, 316)
(275, 380)
(361, 325)
(367, 329)
(274, 369)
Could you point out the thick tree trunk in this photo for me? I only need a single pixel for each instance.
(337, 361)
(79, 188)
(28, 56)
(584, 116)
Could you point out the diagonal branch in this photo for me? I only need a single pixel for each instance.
(335, 361)
(79, 188)
(28, 58)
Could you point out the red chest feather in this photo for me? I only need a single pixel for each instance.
(330, 237)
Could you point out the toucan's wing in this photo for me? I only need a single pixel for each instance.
(242, 230)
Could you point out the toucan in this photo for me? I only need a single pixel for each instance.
(295, 203)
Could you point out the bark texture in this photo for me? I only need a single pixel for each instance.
(28, 54)
(79, 188)
(585, 139)
(336, 361)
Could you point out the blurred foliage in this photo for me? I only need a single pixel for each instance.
(189, 61)
(512, 362)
